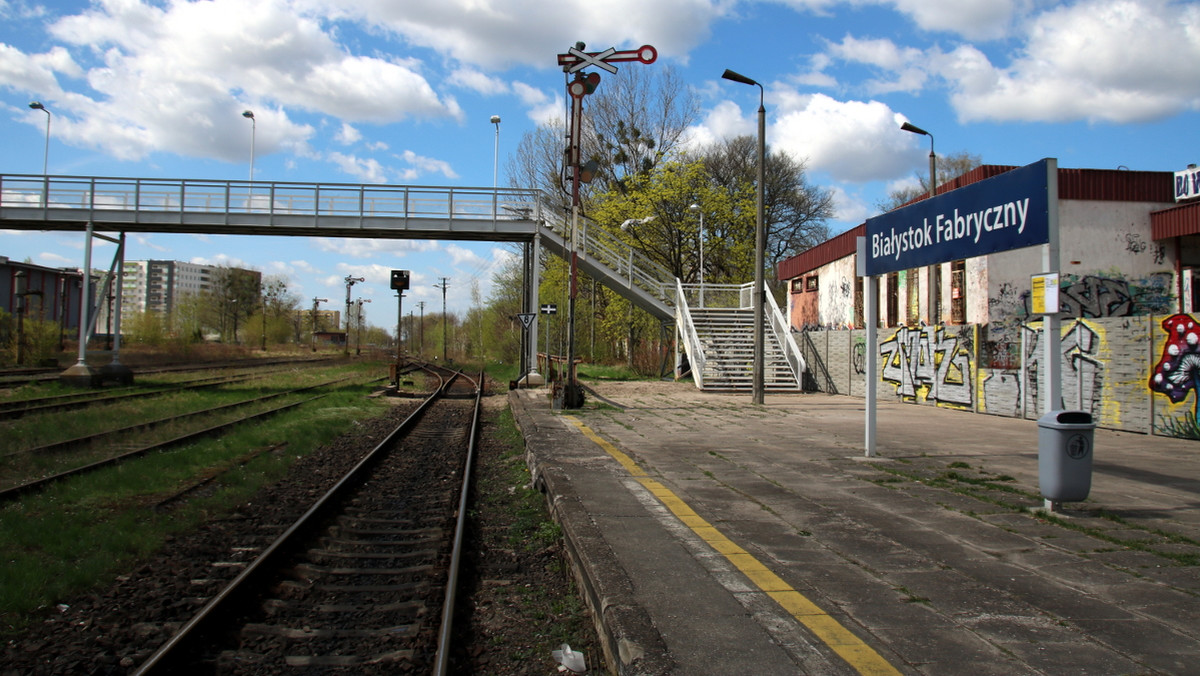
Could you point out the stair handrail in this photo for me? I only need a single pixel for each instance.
(783, 333)
(630, 264)
(687, 331)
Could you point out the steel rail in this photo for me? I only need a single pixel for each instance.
(17, 491)
(443, 651)
(17, 409)
(171, 655)
(58, 446)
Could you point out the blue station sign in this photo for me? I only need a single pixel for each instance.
(1009, 211)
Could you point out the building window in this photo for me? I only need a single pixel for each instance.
(958, 292)
(935, 294)
(912, 292)
(810, 284)
(893, 299)
(797, 285)
(858, 302)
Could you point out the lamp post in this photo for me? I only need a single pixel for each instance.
(696, 207)
(759, 237)
(496, 154)
(249, 114)
(935, 271)
(37, 105)
(932, 158)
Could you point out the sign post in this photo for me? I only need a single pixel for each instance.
(1013, 210)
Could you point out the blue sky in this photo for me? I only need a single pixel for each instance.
(379, 91)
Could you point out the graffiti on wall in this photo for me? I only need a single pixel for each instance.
(929, 363)
(1094, 297)
(1178, 372)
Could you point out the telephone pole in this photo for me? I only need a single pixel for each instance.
(313, 337)
(421, 330)
(350, 281)
(445, 283)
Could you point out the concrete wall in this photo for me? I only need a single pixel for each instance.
(1109, 368)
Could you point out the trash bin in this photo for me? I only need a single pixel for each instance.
(1065, 455)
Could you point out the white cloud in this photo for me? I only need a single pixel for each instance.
(427, 165)
(1100, 60)
(501, 33)
(477, 81)
(52, 259)
(36, 73)
(460, 255)
(976, 19)
(367, 248)
(906, 65)
(367, 170)
(189, 68)
(851, 140)
(348, 135)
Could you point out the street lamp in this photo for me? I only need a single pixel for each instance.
(696, 207)
(37, 105)
(496, 154)
(759, 237)
(630, 222)
(907, 126)
(249, 114)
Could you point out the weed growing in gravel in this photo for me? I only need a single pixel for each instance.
(82, 532)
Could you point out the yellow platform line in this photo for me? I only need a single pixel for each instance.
(841, 640)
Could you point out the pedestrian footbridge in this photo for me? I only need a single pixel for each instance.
(275, 208)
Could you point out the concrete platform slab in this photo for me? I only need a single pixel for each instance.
(712, 536)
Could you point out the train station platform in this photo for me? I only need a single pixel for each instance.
(714, 536)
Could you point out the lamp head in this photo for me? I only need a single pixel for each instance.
(495, 119)
(738, 77)
(694, 207)
(36, 105)
(249, 114)
(908, 126)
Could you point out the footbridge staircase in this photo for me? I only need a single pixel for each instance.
(714, 323)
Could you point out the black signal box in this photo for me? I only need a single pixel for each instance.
(400, 280)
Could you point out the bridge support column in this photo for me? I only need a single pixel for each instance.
(532, 378)
(81, 374)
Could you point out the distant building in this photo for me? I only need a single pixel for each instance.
(53, 293)
(327, 320)
(158, 285)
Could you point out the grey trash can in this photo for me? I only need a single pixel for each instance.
(1065, 455)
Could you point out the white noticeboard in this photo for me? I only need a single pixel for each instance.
(1045, 293)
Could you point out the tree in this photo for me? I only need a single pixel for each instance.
(234, 295)
(949, 167)
(633, 121)
(795, 211)
(672, 237)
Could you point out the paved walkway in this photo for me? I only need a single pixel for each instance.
(712, 536)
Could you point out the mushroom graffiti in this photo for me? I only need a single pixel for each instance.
(1179, 369)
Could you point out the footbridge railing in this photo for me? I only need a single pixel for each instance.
(267, 207)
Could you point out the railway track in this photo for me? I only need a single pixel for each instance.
(364, 581)
(16, 377)
(120, 455)
(72, 400)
